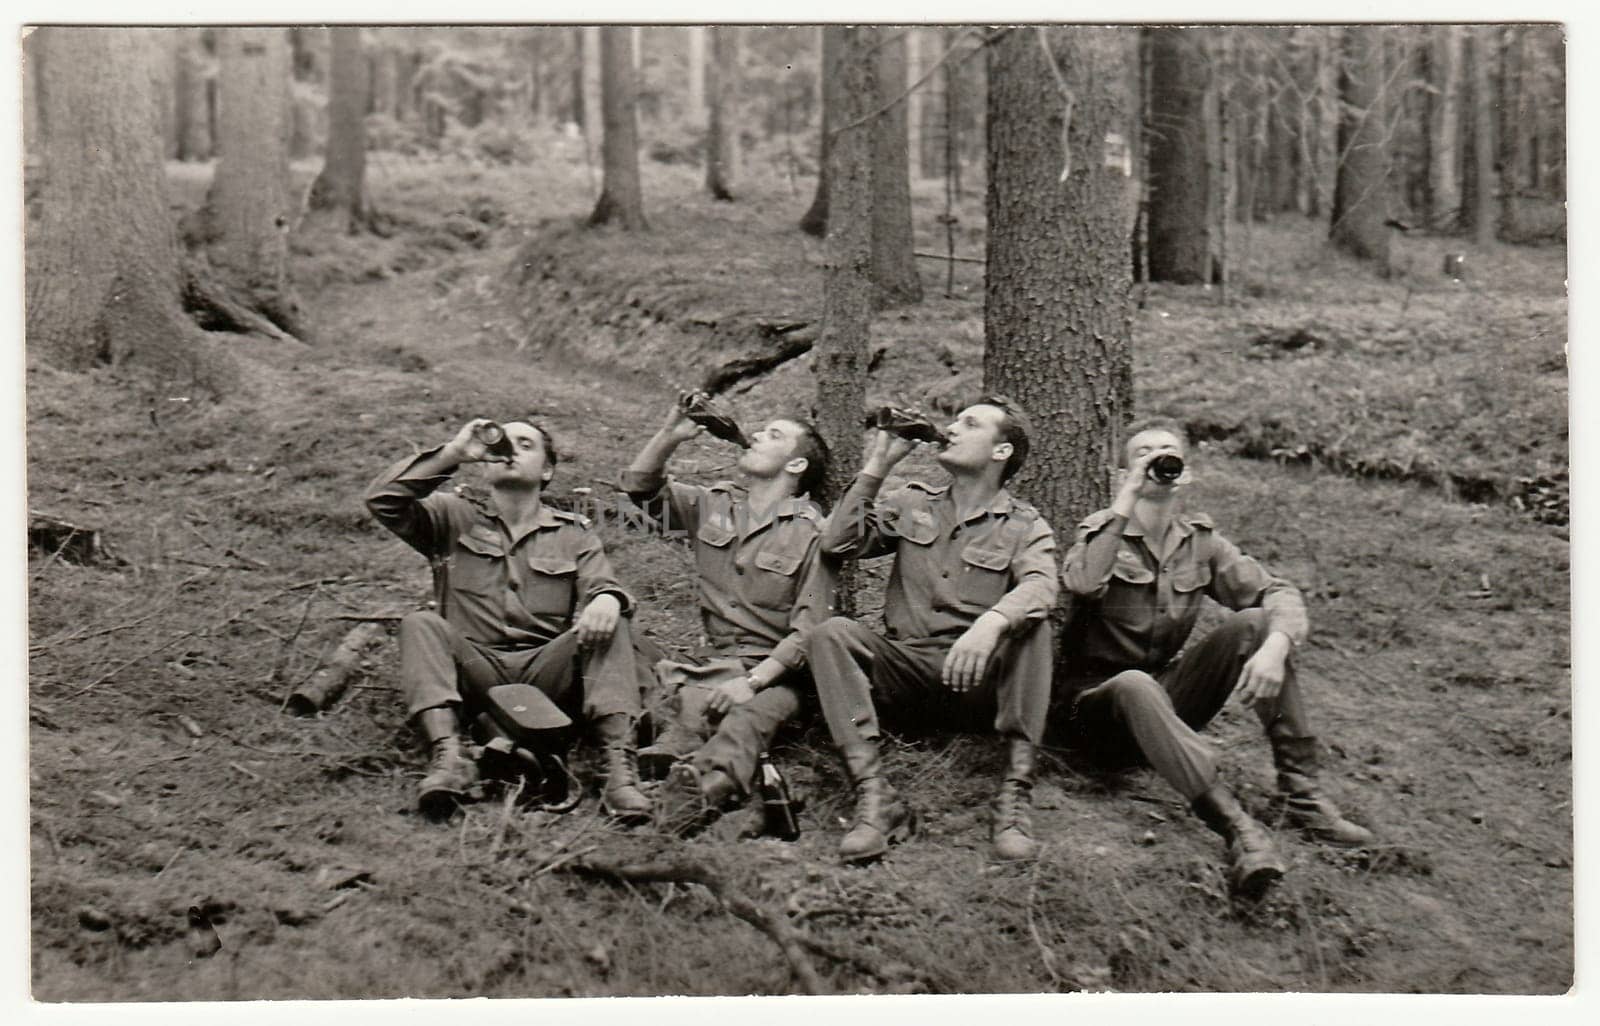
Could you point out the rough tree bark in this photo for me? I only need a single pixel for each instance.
(1444, 74)
(1359, 192)
(721, 80)
(1058, 286)
(815, 220)
(840, 357)
(1180, 180)
(341, 186)
(621, 201)
(249, 209)
(894, 260)
(103, 278)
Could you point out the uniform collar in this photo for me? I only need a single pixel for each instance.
(999, 506)
(778, 511)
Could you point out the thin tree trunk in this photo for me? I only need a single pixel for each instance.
(1057, 294)
(894, 261)
(342, 183)
(621, 201)
(697, 68)
(1444, 74)
(916, 103)
(103, 275)
(1180, 182)
(815, 220)
(1359, 194)
(840, 360)
(249, 208)
(194, 107)
(593, 75)
(1479, 182)
(1510, 132)
(721, 77)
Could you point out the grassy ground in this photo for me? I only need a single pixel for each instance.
(1439, 668)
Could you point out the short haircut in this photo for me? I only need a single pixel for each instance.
(1159, 422)
(811, 446)
(551, 455)
(1015, 427)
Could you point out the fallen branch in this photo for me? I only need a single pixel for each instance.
(785, 341)
(328, 683)
(789, 940)
(952, 256)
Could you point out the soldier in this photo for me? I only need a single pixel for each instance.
(1137, 572)
(967, 643)
(525, 595)
(761, 588)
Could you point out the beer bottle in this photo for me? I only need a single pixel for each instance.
(777, 810)
(493, 436)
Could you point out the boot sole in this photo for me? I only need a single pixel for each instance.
(655, 765)
(1257, 882)
(440, 805)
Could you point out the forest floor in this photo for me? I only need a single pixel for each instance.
(1395, 446)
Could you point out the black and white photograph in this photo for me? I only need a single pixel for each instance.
(760, 508)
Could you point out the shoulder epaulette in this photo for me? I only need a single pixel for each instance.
(928, 489)
(1199, 520)
(576, 518)
(1096, 520)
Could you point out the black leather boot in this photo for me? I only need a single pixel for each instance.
(1316, 816)
(1254, 863)
(1012, 833)
(683, 736)
(451, 775)
(621, 797)
(881, 818)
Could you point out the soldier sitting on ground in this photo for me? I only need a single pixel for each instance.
(761, 588)
(1137, 572)
(968, 643)
(525, 595)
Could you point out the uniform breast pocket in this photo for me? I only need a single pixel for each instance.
(775, 577)
(478, 564)
(552, 585)
(985, 576)
(1128, 597)
(1191, 578)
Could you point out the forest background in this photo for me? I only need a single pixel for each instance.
(1254, 237)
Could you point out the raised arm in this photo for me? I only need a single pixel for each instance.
(397, 498)
(854, 530)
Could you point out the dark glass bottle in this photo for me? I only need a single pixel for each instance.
(778, 818)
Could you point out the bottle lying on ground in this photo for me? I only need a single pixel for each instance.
(698, 407)
(778, 819)
(1166, 468)
(493, 436)
(907, 424)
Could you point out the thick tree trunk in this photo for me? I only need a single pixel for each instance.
(1058, 286)
(621, 201)
(1359, 192)
(342, 183)
(815, 220)
(1444, 75)
(103, 277)
(894, 261)
(1180, 182)
(250, 209)
(840, 357)
(721, 78)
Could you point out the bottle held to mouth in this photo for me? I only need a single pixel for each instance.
(1165, 468)
(907, 424)
(494, 438)
(700, 409)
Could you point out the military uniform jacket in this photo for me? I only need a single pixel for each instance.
(498, 588)
(948, 571)
(762, 584)
(1136, 611)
